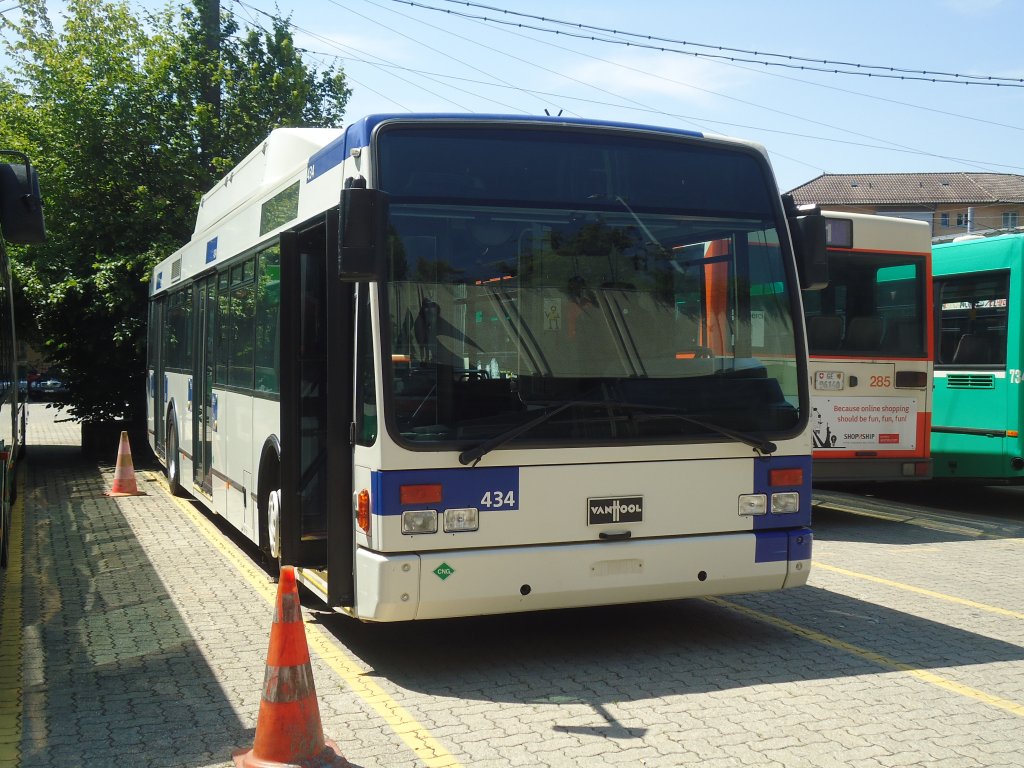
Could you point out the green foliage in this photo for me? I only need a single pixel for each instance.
(116, 112)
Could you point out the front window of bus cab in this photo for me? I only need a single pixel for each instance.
(574, 286)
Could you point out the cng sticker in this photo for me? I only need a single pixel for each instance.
(443, 571)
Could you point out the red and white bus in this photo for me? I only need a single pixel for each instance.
(870, 344)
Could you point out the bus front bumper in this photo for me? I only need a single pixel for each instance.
(452, 583)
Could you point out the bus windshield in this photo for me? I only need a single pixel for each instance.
(634, 285)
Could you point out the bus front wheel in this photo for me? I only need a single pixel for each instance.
(173, 462)
(274, 523)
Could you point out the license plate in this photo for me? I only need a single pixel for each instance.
(828, 380)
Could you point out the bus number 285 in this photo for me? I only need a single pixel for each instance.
(498, 499)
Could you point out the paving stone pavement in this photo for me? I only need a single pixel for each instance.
(141, 645)
(142, 641)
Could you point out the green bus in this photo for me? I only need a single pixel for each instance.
(977, 399)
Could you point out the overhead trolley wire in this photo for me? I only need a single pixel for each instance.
(820, 65)
(437, 77)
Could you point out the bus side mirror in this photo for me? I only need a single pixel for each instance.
(21, 205)
(809, 246)
(363, 235)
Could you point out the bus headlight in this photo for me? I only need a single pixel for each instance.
(785, 503)
(753, 504)
(456, 520)
(419, 521)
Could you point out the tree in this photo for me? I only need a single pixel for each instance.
(111, 109)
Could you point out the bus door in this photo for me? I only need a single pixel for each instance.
(204, 404)
(316, 408)
(155, 385)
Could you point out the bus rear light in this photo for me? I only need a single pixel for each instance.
(1012, 433)
(785, 503)
(419, 521)
(753, 504)
(363, 511)
(785, 477)
(457, 520)
(911, 379)
(420, 494)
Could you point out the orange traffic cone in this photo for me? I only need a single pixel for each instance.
(288, 729)
(124, 471)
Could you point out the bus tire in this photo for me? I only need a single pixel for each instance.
(270, 495)
(173, 461)
(274, 523)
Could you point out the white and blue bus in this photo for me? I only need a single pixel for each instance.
(451, 365)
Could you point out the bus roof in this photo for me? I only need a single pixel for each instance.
(277, 156)
(295, 157)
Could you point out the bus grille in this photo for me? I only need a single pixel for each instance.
(970, 381)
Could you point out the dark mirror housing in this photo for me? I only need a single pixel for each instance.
(363, 235)
(21, 205)
(807, 228)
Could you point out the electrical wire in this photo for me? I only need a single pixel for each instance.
(876, 70)
(637, 106)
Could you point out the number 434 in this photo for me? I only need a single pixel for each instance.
(497, 499)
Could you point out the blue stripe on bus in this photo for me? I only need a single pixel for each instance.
(762, 473)
(487, 489)
(357, 135)
(781, 546)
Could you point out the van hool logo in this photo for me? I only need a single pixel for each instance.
(624, 509)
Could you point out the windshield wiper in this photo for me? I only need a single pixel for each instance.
(763, 447)
(477, 452)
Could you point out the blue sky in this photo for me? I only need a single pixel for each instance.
(413, 57)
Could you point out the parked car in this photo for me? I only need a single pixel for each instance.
(48, 387)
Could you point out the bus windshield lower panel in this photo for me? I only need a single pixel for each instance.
(618, 313)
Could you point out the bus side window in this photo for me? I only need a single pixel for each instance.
(268, 326)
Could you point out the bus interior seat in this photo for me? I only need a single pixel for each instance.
(824, 331)
(864, 332)
(972, 348)
(903, 338)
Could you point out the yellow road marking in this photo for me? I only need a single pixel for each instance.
(881, 660)
(920, 591)
(416, 737)
(11, 639)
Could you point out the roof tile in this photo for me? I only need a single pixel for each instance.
(910, 189)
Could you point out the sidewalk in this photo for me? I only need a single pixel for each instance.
(140, 644)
